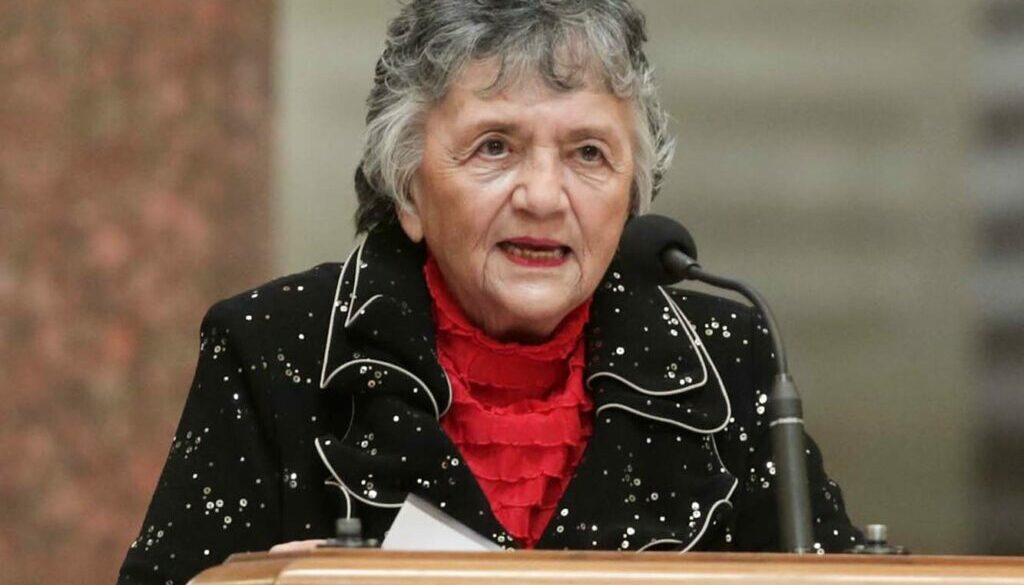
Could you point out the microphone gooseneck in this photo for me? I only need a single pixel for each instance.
(677, 262)
(660, 250)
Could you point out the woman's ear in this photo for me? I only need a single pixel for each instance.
(409, 216)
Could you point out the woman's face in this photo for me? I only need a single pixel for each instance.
(521, 196)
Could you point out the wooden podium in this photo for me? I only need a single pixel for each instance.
(376, 567)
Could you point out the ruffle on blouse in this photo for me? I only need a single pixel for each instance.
(524, 493)
(526, 506)
(520, 415)
(524, 376)
(499, 463)
(526, 430)
(529, 521)
(569, 401)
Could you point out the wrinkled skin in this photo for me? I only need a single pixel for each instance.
(521, 196)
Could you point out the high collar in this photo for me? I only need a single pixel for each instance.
(644, 355)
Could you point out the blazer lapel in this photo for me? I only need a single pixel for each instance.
(381, 354)
(651, 476)
(646, 357)
(382, 317)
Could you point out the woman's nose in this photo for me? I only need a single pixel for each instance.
(541, 188)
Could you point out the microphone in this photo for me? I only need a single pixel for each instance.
(659, 250)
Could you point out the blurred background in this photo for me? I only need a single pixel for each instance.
(861, 161)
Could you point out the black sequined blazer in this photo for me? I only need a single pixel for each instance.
(318, 395)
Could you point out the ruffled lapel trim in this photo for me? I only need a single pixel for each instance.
(381, 317)
(646, 357)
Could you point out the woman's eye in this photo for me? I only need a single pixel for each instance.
(494, 148)
(591, 153)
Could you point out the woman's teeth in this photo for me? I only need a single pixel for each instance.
(535, 253)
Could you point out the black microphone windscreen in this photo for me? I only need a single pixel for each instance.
(644, 238)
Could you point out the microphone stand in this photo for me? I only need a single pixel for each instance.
(785, 412)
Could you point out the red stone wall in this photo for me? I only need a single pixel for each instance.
(134, 141)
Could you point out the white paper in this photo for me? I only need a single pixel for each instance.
(421, 526)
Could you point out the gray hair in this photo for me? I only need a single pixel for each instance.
(562, 41)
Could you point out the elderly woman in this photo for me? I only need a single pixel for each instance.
(480, 348)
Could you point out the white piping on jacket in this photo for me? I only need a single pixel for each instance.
(705, 360)
(702, 355)
(695, 344)
(341, 484)
(351, 316)
(727, 500)
(703, 529)
(334, 312)
(352, 311)
(414, 377)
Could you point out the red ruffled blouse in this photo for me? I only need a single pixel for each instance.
(519, 414)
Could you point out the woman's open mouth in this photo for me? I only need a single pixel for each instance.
(534, 252)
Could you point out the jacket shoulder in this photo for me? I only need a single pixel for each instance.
(703, 304)
(286, 298)
(287, 317)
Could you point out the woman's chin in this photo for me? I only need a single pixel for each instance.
(530, 312)
(530, 300)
